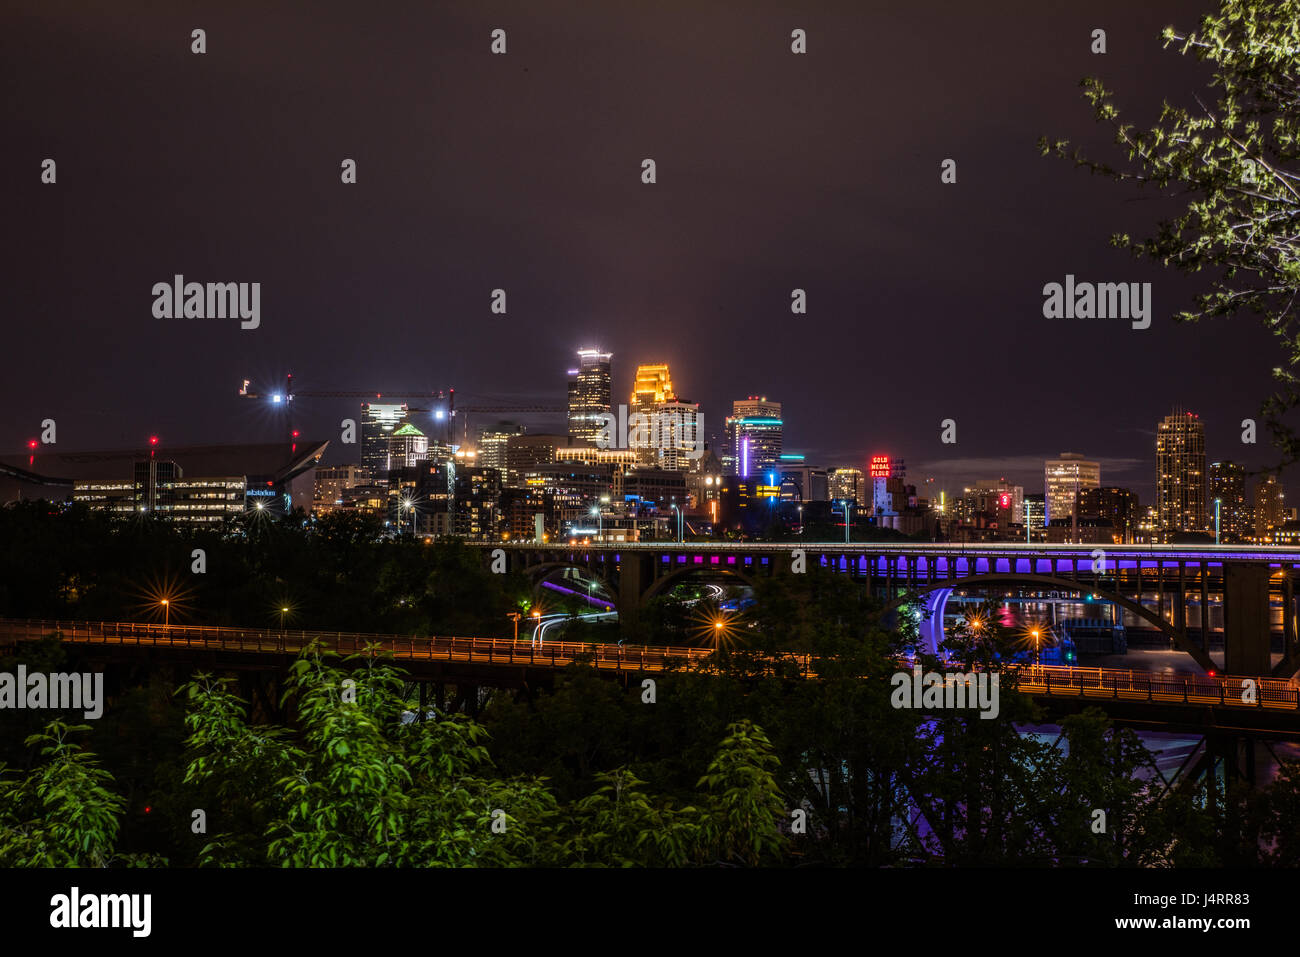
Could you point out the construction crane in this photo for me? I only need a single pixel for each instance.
(446, 410)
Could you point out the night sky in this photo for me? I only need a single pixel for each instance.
(522, 171)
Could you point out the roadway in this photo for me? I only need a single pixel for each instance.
(1220, 692)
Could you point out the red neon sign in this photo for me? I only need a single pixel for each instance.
(880, 466)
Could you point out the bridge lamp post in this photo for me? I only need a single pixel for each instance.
(1037, 653)
(537, 624)
(167, 613)
(600, 521)
(800, 521)
(680, 534)
(1217, 503)
(284, 610)
(845, 503)
(515, 616)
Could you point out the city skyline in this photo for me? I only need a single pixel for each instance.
(923, 298)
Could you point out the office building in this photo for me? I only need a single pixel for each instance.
(1270, 508)
(378, 422)
(590, 395)
(753, 436)
(1064, 478)
(1180, 473)
(1228, 504)
(845, 484)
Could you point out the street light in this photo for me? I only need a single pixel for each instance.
(1217, 503)
(284, 610)
(845, 503)
(1037, 654)
(681, 535)
(800, 508)
(167, 612)
(515, 616)
(600, 521)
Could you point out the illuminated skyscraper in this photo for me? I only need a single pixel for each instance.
(1063, 479)
(1180, 473)
(1270, 508)
(754, 436)
(590, 394)
(652, 386)
(1228, 486)
(378, 423)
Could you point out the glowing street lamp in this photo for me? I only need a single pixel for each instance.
(600, 521)
(515, 616)
(1217, 503)
(167, 612)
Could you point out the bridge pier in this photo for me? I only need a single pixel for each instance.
(1246, 619)
(635, 573)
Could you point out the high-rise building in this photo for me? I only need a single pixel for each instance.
(492, 443)
(678, 435)
(378, 423)
(1228, 489)
(754, 435)
(406, 446)
(1035, 509)
(1118, 506)
(1005, 498)
(846, 484)
(652, 386)
(1063, 478)
(1180, 473)
(590, 395)
(1270, 508)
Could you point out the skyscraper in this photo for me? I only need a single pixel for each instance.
(1180, 473)
(1228, 488)
(1063, 478)
(590, 394)
(378, 422)
(1270, 508)
(754, 435)
(652, 388)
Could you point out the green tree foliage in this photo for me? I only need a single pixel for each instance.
(1231, 157)
(63, 813)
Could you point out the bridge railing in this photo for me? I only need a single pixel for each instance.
(1051, 680)
(292, 641)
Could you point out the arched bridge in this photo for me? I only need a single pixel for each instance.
(1245, 580)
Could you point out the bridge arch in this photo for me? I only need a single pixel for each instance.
(1064, 584)
(540, 572)
(677, 575)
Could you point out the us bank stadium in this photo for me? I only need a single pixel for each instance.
(193, 484)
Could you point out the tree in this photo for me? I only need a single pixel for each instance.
(63, 813)
(1235, 163)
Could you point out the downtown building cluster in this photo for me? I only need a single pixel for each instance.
(633, 470)
(1194, 501)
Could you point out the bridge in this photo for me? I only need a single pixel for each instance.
(1137, 698)
(1245, 581)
